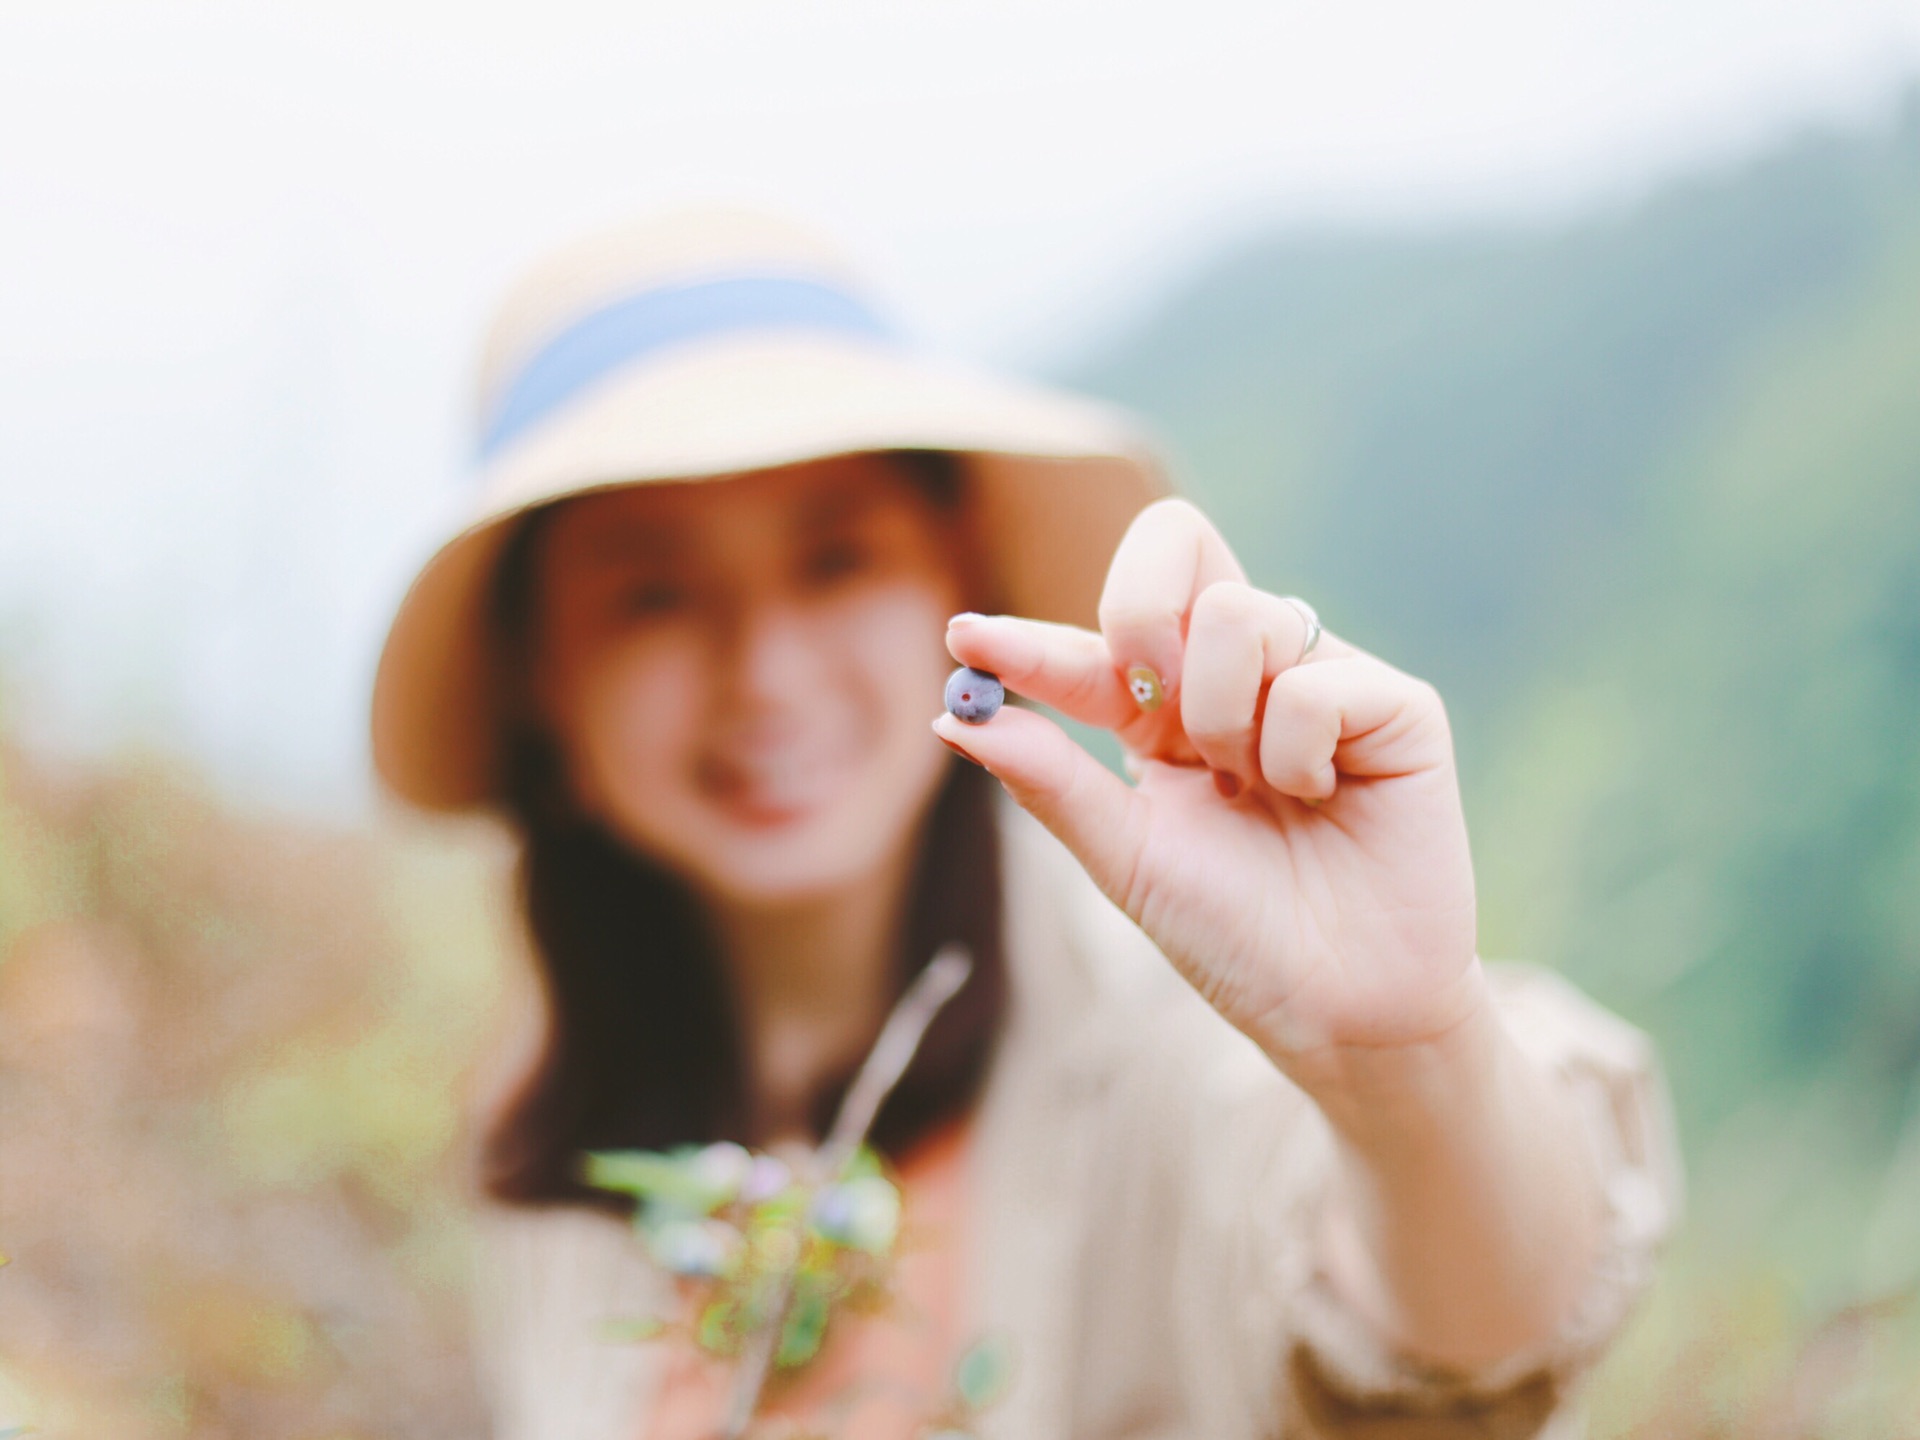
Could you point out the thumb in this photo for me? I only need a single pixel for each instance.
(1093, 812)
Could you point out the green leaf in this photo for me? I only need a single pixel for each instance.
(782, 1209)
(651, 1176)
(719, 1328)
(805, 1329)
(863, 1212)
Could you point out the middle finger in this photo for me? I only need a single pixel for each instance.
(1169, 555)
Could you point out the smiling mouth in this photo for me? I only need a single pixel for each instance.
(770, 789)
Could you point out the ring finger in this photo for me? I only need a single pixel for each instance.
(1238, 639)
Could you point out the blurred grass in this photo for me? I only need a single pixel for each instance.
(233, 1058)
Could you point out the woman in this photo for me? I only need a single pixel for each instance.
(1229, 1132)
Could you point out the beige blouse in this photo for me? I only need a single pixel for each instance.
(1147, 1193)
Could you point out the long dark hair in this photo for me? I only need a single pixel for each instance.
(644, 1048)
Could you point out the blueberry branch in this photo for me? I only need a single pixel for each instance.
(899, 1039)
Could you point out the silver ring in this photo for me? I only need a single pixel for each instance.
(1308, 614)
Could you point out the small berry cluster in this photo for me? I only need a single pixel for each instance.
(739, 1230)
(734, 1226)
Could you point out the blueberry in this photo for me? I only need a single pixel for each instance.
(863, 1213)
(974, 696)
(705, 1249)
(766, 1178)
(719, 1171)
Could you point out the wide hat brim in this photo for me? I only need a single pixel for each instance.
(1056, 479)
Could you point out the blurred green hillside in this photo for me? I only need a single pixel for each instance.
(1641, 494)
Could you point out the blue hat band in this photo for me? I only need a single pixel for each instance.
(655, 320)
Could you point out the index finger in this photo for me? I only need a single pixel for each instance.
(1169, 555)
(1058, 665)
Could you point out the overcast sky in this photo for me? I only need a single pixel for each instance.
(246, 252)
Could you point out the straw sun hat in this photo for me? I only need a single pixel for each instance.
(703, 346)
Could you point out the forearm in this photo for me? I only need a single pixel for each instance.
(1467, 1210)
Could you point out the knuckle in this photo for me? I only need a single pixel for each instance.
(1416, 691)
(1124, 614)
(1277, 756)
(1213, 734)
(1171, 509)
(1082, 689)
(1289, 776)
(1225, 604)
(1426, 704)
(1206, 712)
(1290, 699)
(1295, 772)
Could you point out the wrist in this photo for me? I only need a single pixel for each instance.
(1466, 1208)
(1394, 1093)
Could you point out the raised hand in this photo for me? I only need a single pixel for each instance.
(1295, 845)
(1294, 842)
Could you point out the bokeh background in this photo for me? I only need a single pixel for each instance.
(1567, 354)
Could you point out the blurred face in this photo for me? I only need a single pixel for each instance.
(741, 673)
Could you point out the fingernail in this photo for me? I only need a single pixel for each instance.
(958, 751)
(965, 617)
(1227, 783)
(1148, 692)
(953, 747)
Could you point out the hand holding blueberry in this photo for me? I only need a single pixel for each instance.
(1295, 846)
(1295, 843)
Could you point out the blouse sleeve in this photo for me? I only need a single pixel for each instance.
(1346, 1380)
